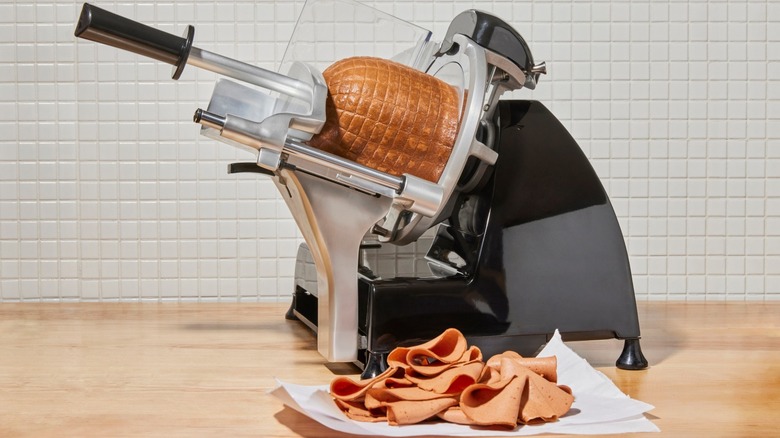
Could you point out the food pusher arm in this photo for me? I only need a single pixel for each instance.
(269, 136)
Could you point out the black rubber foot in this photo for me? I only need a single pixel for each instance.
(632, 358)
(290, 314)
(376, 364)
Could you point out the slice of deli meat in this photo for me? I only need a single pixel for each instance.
(546, 367)
(346, 389)
(520, 396)
(433, 356)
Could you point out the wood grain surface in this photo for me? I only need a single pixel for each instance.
(171, 370)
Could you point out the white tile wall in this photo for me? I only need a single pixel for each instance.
(108, 193)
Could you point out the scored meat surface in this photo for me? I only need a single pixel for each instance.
(389, 117)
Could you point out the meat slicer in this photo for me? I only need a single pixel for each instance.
(516, 238)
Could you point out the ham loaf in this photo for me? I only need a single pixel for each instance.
(389, 117)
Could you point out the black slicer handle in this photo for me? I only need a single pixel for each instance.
(108, 28)
(493, 34)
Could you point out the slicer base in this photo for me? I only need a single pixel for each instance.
(382, 338)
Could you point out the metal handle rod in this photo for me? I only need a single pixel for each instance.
(105, 27)
(249, 73)
(209, 120)
(314, 155)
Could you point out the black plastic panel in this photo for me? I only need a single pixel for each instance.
(491, 33)
(543, 246)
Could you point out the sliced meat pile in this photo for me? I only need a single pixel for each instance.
(389, 117)
(446, 378)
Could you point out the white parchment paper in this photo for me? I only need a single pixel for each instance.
(599, 406)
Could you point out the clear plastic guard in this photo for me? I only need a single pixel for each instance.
(330, 30)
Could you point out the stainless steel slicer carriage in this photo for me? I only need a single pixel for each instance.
(517, 237)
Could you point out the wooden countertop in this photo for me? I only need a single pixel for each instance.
(203, 369)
